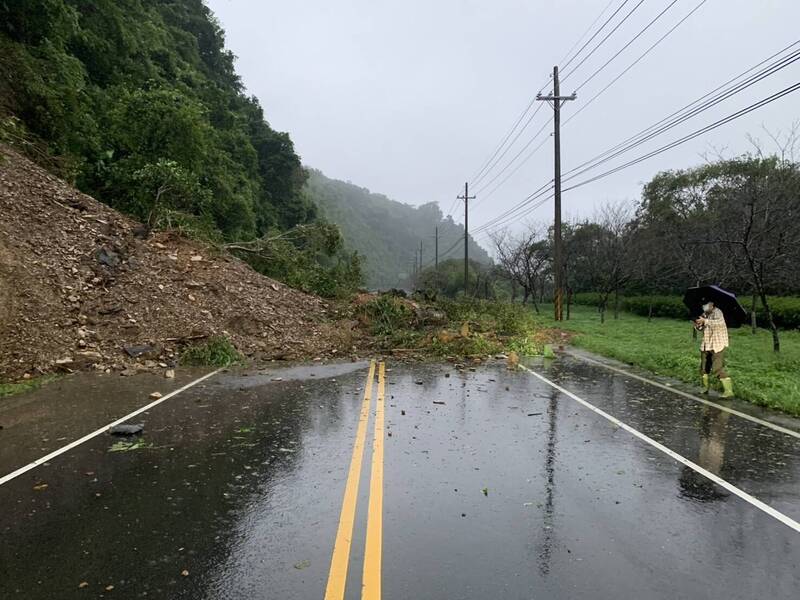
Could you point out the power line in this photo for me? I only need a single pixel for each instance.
(603, 41)
(475, 177)
(485, 167)
(516, 137)
(530, 208)
(514, 170)
(584, 105)
(450, 249)
(510, 214)
(652, 22)
(514, 213)
(682, 116)
(585, 33)
(666, 147)
(516, 156)
(596, 33)
(694, 134)
(626, 46)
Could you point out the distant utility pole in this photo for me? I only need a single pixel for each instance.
(558, 252)
(466, 198)
(436, 251)
(420, 257)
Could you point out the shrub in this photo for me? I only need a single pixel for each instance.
(785, 309)
(217, 351)
(311, 258)
(387, 315)
(662, 306)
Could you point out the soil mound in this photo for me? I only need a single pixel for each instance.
(82, 287)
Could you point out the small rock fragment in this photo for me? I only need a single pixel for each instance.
(127, 429)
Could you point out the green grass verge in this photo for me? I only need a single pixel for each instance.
(216, 351)
(27, 385)
(666, 347)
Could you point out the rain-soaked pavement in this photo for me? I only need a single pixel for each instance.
(496, 485)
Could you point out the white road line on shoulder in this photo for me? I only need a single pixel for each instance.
(733, 411)
(95, 433)
(788, 521)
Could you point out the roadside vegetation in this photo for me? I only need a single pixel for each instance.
(26, 385)
(446, 328)
(665, 347)
(217, 351)
(785, 309)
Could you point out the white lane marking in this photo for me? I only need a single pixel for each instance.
(685, 461)
(95, 433)
(733, 411)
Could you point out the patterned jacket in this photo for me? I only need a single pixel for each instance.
(715, 332)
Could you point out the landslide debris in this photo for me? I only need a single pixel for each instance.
(81, 287)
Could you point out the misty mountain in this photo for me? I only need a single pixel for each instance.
(385, 232)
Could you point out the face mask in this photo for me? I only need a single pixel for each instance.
(706, 307)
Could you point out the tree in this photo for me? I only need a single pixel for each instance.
(166, 187)
(525, 259)
(599, 254)
(732, 222)
(756, 211)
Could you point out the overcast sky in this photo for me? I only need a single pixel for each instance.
(409, 98)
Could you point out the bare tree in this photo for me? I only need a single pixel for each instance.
(525, 258)
(613, 253)
(757, 212)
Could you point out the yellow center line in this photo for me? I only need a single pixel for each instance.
(372, 555)
(337, 576)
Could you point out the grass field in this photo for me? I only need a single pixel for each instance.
(665, 347)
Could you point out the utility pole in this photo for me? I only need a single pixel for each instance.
(436, 251)
(466, 198)
(558, 252)
(420, 257)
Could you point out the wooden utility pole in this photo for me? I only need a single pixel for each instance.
(436, 251)
(466, 198)
(558, 252)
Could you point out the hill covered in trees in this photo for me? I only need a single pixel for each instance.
(387, 233)
(138, 104)
(135, 100)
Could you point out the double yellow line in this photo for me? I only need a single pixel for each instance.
(371, 580)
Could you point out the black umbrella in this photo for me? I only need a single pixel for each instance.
(695, 297)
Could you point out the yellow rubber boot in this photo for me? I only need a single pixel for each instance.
(705, 384)
(727, 387)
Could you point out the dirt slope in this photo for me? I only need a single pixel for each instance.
(78, 287)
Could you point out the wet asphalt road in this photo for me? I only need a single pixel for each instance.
(496, 485)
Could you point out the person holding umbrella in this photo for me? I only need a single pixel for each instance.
(712, 348)
(712, 310)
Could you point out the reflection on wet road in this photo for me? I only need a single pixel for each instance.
(495, 485)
